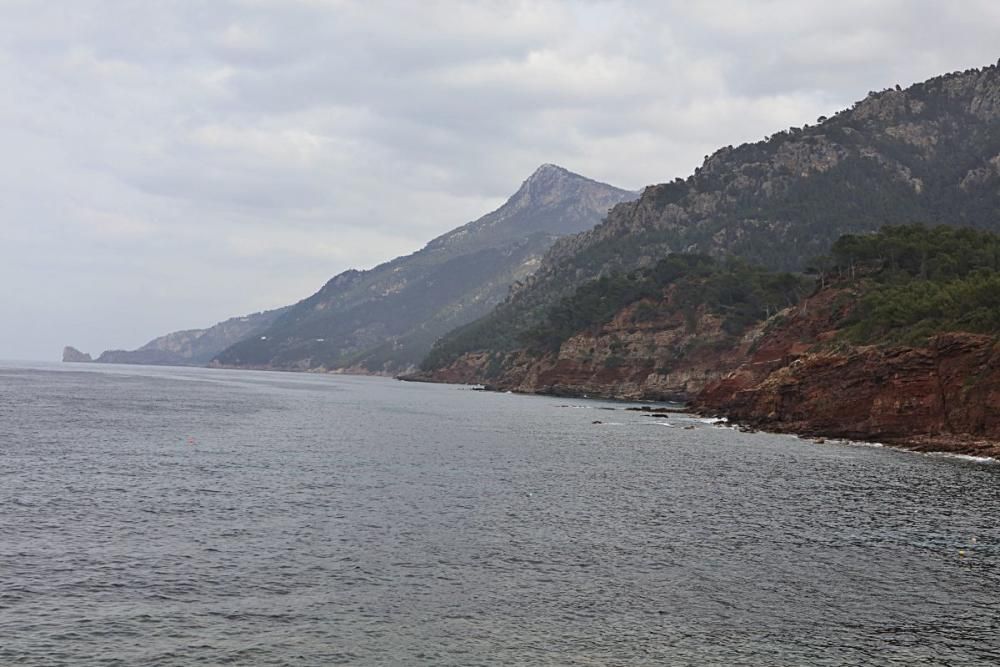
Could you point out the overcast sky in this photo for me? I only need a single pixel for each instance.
(168, 164)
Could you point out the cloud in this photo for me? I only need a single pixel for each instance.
(168, 165)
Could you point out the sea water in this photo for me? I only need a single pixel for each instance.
(164, 516)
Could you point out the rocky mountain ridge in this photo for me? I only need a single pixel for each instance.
(384, 320)
(927, 154)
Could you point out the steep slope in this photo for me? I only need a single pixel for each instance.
(192, 347)
(385, 319)
(930, 153)
(658, 334)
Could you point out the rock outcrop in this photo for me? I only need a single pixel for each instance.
(72, 355)
(790, 374)
(898, 343)
(666, 356)
(942, 396)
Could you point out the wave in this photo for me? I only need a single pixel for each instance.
(964, 457)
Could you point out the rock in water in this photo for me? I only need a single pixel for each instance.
(71, 354)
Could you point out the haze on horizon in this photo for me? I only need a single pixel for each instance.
(170, 165)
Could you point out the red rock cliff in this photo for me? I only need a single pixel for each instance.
(650, 350)
(791, 374)
(942, 396)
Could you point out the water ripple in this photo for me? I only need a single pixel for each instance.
(195, 517)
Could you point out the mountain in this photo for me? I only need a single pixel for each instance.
(927, 154)
(385, 320)
(192, 347)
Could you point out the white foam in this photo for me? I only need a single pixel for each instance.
(947, 455)
(964, 457)
(856, 443)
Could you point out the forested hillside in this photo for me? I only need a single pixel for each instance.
(928, 154)
(918, 282)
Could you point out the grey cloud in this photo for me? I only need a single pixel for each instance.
(171, 164)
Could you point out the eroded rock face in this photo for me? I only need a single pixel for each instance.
(942, 396)
(792, 374)
(945, 395)
(659, 358)
(650, 350)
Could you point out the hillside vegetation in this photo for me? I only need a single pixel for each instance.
(929, 154)
(917, 282)
(739, 293)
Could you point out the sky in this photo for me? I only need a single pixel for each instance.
(169, 164)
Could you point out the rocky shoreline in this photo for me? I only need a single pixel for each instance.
(925, 443)
(944, 396)
(793, 374)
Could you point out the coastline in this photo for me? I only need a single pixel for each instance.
(922, 443)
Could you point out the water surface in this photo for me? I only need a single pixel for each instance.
(193, 516)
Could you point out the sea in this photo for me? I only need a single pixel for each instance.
(185, 516)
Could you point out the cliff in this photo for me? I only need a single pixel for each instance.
(662, 358)
(384, 320)
(901, 345)
(659, 334)
(941, 396)
(898, 342)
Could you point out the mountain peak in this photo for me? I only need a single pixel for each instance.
(550, 181)
(553, 200)
(386, 319)
(549, 168)
(550, 173)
